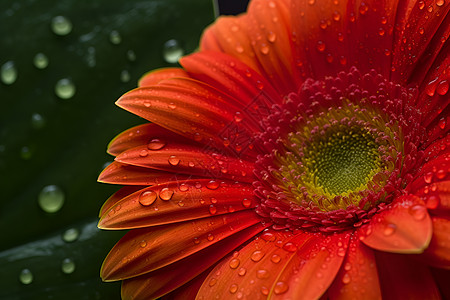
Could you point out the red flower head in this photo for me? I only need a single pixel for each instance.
(303, 152)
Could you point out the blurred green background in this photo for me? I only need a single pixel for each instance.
(63, 64)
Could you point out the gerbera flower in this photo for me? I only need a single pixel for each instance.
(301, 153)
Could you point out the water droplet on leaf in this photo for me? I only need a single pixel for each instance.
(65, 89)
(172, 51)
(40, 61)
(68, 266)
(70, 235)
(51, 198)
(8, 72)
(114, 37)
(26, 277)
(61, 25)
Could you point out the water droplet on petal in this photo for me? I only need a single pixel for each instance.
(242, 271)
(173, 160)
(68, 266)
(234, 263)
(147, 198)
(165, 194)
(442, 87)
(363, 8)
(172, 106)
(389, 229)
(143, 244)
(341, 252)
(346, 279)
(61, 25)
(65, 89)
(210, 237)
(212, 209)
(440, 2)
(281, 287)
(421, 5)
(26, 277)
(264, 291)
(432, 202)
(290, 247)
(156, 144)
(428, 177)
(419, 212)
(114, 37)
(441, 173)
(70, 235)
(321, 46)
(8, 72)
(212, 282)
(257, 255)
(40, 61)
(51, 198)
(264, 49)
(172, 51)
(271, 37)
(275, 258)
(262, 274)
(213, 185)
(143, 153)
(233, 288)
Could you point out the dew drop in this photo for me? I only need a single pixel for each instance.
(210, 237)
(432, 202)
(234, 263)
(68, 266)
(389, 229)
(264, 291)
(125, 76)
(156, 144)
(264, 49)
(61, 25)
(173, 160)
(184, 187)
(320, 46)
(40, 61)
(8, 72)
(271, 37)
(212, 209)
(442, 123)
(172, 106)
(242, 271)
(143, 153)
(418, 212)
(165, 194)
(262, 274)
(65, 89)
(275, 258)
(341, 252)
(440, 2)
(428, 177)
(143, 244)
(131, 55)
(442, 87)
(247, 202)
(70, 235)
(363, 8)
(25, 276)
(37, 121)
(213, 185)
(257, 255)
(212, 282)
(25, 153)
(336, 16)
(51, 198)
(441, 173)
(114, 37)
(346, 278)
(147, 198)
(172, 51)
(233, 288)
(421, 5)
(281, 287)
(290, 247)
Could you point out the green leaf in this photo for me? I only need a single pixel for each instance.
(46, 140)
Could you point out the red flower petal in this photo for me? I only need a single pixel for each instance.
(331, 36)
(144, 250)
(189, 160)
(190, 199)
(118, 196)
(358, 276)
(265, 48)
(438, 252)
(279, 266)
(156, 137)
(202, 113)
(403, 227)
(442, 278)
(417, 26)
(155, 76)
(162, 281)
(231, 75)
(403, 278)
(118, 173)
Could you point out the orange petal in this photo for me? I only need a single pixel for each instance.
(231, 75)
(417, 29)
(144, 250)
(189, 108)
(278, 265)
(176, 202)
(155, 76)
(260, 39)
(403, 227)
(118, 196)
(118, 173)
(438, 252)
(331, 36)
(164, 280)
(358, 276)
(156, 137)
(403, 278)
(189, 160)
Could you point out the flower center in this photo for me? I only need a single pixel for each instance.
(335, 152)
(342, 161)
